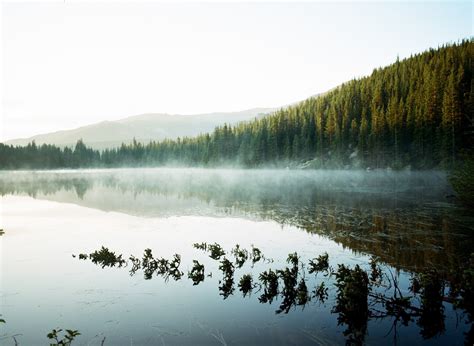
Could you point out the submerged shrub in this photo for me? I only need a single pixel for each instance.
(431, 320)
(149, 264)
(173, 270)
(106, 258)
(321, 263)
(136, 264)
(197, 273)
(321, 292)
(216, 251)
(375, 271)
(352, 302)
(66, 340)
(241, 255)
(302, 296)
(269, 280)
(293, 259)
(200, 246)
(256, 254)
(289, 277)
(227, 283)
(245, 284)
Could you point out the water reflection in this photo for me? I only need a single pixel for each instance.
(362, 294)
(403, 218)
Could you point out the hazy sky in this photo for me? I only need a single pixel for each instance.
(67, 64)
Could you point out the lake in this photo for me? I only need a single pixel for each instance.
(401, 225)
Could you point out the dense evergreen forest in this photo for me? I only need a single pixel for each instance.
(417, 112)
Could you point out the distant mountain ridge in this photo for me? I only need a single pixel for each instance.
(144, 128)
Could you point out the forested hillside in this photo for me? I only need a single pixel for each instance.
(417, 112)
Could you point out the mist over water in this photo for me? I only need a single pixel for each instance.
(407, 220)
(229, 187)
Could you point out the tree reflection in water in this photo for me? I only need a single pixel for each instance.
(361, 294)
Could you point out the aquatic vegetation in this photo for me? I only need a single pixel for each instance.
(466, 291)
(353, 289)
(65, 340)
(173, 270)
(466, 288)
(106, 258)
(319, 264)
(149, 264)
(352, 302)
(269, 280)
(83, 256)
(293, 259)
(289, 277)
(321, 292)
(289, 292)
(136, 265)
(241, 255)
(256, 254)
(160, 266)
(216, 251)
(147, 259)
(246, 284)
(302, 296)
(361, 294)
(431, 320)
(200, 246)
(197, 273)
(375, 271)
(226, 267)
(227, 283)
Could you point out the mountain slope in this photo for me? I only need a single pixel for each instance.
(144, 128)
(417, 112)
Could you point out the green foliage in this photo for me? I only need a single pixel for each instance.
(241, 255)
(321, 292)
(245, 284)
(66, 340)
(197, 273)
(269, 280)
(431, 320)
(227, 283)
(215, 251)
(416, 112)
(302, 296)
(256, 254)
(375, 271)
(319, 264)
(352, 301)
(106, 258)
(358, 298)
(200, 246)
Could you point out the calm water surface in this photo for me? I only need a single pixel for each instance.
(404, 220)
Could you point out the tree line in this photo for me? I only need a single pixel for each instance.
(417, 112)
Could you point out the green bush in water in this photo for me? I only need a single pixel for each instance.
(246, 284)
(66, 340)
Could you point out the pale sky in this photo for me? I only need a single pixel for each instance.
(68, 64)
